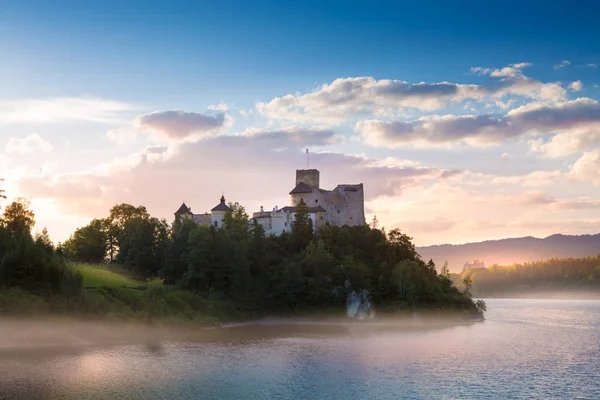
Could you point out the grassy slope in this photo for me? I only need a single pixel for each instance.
(112, 291)
(99, 276)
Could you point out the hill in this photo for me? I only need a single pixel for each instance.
(514, 250)
(101, 276)
(553, 278)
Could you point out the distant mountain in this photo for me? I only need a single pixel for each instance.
(509, 251)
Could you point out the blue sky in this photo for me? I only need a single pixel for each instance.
(94, 69)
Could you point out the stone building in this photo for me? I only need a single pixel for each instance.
(474, 265)
(341, 206)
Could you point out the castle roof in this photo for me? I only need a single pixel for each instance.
(301, 188)
(221, 206)
(183, 209)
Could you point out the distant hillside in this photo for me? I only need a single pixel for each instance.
(553, 278)
(510, 251)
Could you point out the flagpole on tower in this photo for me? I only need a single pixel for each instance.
(307, 160)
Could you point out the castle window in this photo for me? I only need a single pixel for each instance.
(285, 224)
(338, 211)
(350, 218)
(321, 218)
(316, 200)
(216, 223)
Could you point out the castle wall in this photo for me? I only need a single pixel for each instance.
(344, 205)
(216, 218)
(202, 219)
(281, 222)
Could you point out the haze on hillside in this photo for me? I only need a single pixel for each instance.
(511, 251)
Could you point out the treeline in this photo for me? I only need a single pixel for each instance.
(30, 266)
(219, 271)
(552, 275)
(291, 272)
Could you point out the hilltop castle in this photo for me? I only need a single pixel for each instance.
(341, 206)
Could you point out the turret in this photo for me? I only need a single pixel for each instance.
(218, 213)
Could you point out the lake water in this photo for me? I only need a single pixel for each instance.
(546, 349)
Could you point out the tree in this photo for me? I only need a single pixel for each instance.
(18, 218)
(258, 249)
(375, 222)
(302, 230)
(402, 245)
(468, 283)
(115, 223)
(142, 245)
(42, 239)
(177, 250)
(88, 243)
(445, 272)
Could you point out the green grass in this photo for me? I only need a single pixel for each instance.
(99, 276)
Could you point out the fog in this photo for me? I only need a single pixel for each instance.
(52, 335)
(522, 349)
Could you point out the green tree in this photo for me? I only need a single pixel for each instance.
(88, 244)
(258, 253)
(177, 250)
(18, 218)
(445, 272)
(202, 271)
(143, 245)
(115, 223)
(302, 229)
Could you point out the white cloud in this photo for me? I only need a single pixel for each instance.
(29, 144)
(590, 65)
(303, 136)
(352, 97)
(177, 124)
(511, 72)
(576, 86)
(223, 107)
(587, 167)
(122, 135)
(562, 64)
(62, 109)
(576, 122)
(250, 168)
(358, 97)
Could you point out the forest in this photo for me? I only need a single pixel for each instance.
(566, 276)
(188, 270)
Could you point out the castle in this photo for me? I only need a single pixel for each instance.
(475, 265)
(341, 206)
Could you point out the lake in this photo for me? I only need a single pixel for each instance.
(546, 349)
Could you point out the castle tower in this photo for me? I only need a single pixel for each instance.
(309, 177)
(218, 213)
(307, 187)
(183, 212)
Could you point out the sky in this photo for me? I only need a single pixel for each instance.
(464, 120)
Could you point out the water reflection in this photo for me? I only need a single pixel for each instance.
(526, 349)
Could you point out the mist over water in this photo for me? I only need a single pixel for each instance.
(525, 349)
